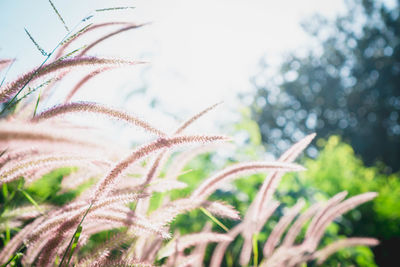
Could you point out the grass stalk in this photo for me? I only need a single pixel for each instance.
(255, 249)
(215, 220)
(74, 237)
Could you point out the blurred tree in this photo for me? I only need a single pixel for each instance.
(349, 84)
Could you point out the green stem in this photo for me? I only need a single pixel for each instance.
(38, 69)
(219, 223)
(79, 227)
(30, 199)
(15, 257)
(255, 250)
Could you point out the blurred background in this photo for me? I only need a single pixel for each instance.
(284, 69)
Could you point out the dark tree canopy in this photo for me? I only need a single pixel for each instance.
(348, 85)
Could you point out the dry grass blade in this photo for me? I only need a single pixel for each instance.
(106, 184)
(77, 107)
(271, 182)
(128, 219)
(15, 171)
(298, 224)
(221, 209)
(83, 81)
(292, 153)
(318, 217)
(220, 249)
(13, 88)
(86, 29)
(155, 167)
(93, 44)
(5, 62)
(180, 244)
(180, 161)
(322, 254)
(124, 263)
(169, 211)
(251, 230)
(336, 211)
(212, 183)
(42, 135)
(280, 228)
(195, 117)
(75, 211)
(199, 252)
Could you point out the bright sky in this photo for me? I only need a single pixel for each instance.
(199, 52)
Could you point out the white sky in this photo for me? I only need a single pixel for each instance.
(199, 52)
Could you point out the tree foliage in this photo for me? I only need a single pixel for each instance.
(349, 84)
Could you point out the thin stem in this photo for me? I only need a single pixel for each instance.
(73, 236)
(38, 69)
(255, 249)
(15, 256)
(218, 222)
(37, 104)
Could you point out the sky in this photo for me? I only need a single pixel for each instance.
(197, 52)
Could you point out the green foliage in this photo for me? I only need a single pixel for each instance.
(47, 188)
(250, 127)
(337, 169)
